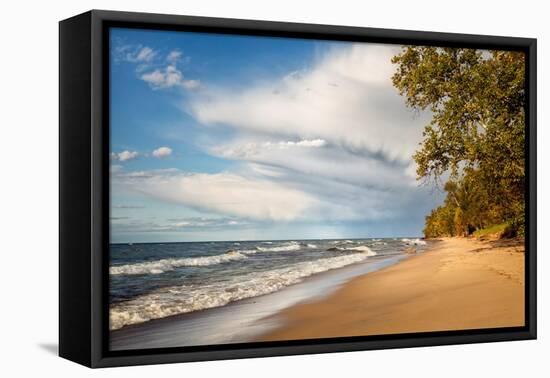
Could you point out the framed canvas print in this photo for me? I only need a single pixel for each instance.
(233, 188)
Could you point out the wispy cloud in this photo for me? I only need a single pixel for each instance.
(315, 157)
(173, 56)
(192, 224)
(288, 196)
(146, 54)
(135, 53)
(251, 149)
(124, 156)
(222, 193)
(159, 71)
(168, 77)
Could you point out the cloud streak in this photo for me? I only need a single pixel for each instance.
(325, 161)
(136, 225)
(221, 193)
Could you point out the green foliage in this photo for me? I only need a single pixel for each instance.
(497, 229)
(476, 136)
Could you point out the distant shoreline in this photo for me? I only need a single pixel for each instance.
(459, 284)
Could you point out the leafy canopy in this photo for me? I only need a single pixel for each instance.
(477, 133)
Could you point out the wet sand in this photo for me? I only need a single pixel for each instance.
(458, 284)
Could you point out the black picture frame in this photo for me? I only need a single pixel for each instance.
(84, 188)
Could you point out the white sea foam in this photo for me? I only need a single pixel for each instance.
(249, 251)
(289, 246)
(285, 247)
(166, 265)
(187, 298)
(311, 245)
(413, 241)
(362, 248)
(379, 243)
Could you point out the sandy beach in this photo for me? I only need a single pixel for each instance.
(458, 284)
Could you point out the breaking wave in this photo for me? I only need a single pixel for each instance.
(166, 265)
(290, 246)
(187, 298)
(361, 248)
(286, 247)
(413, 241)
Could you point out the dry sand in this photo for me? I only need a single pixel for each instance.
(458, 284)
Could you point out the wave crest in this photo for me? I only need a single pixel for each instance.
(166, 265)
(361, 248)
(291, 246)
(187, 298)
(413, 241)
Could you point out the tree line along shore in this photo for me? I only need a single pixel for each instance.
(474, 147)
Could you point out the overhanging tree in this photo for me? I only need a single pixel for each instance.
(477, 132)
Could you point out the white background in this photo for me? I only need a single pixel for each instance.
(29, 186)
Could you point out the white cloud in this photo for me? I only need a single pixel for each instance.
(250, 149)
(124, 155)
(301, 143)
(310, 143)
(346, 98)
(168, 77)
(173, 56)
(338, 131)
(159, 71)
(136, 224)
(315, 157)
(223, 193)
(135, 53)
(146, 54)
(162, 152)
(331, 143)
(288, 197)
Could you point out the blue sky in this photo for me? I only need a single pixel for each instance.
(217, 137)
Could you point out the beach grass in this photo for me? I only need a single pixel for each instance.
(495, 231)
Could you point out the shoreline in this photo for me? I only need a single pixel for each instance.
(242, 320)
(458, 284)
